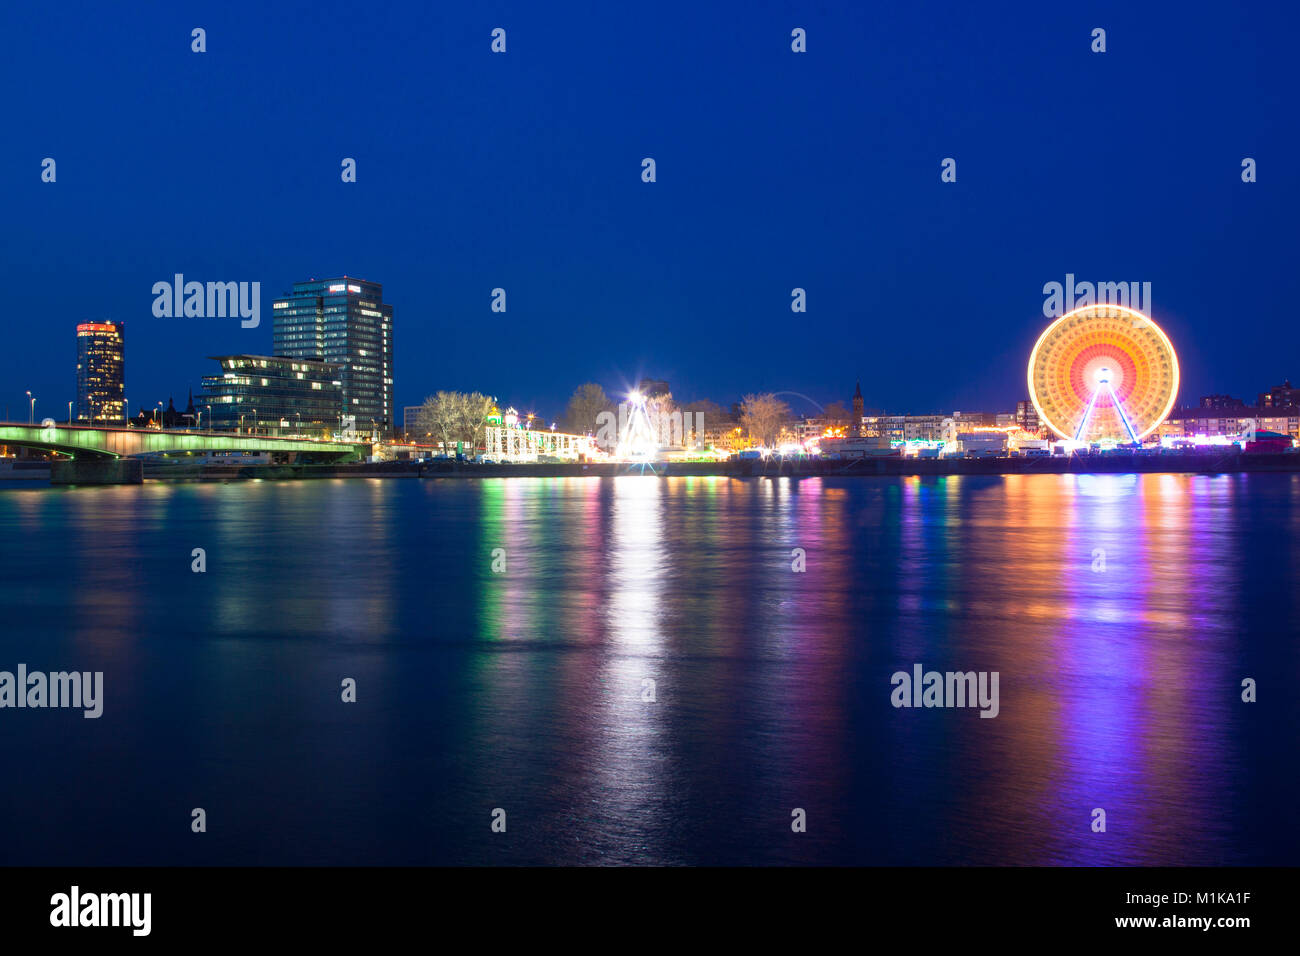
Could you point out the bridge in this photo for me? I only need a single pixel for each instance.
(84, 442)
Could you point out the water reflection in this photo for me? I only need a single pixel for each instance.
(660, 670)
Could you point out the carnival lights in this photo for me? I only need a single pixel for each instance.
(637, 440)
(1103, 374)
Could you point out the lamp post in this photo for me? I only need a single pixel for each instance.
(254, 426)
(31, 415)
(160, 423)
(209, 408)
(69, 414)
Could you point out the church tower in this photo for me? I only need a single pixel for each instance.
(855, 427)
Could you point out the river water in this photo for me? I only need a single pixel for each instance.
(634, 671)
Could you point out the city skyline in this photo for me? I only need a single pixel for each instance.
(821, 394)
(1281, 395)
(930, 290)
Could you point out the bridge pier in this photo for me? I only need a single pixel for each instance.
(97, 471)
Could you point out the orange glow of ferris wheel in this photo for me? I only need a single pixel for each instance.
(1103, 373)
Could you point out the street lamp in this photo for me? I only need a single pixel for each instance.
(254, 427)
(209, 408)
(31, 417)
(160, 421)
(69, 414)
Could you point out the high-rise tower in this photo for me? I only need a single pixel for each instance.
(101, 373)
(343, 322)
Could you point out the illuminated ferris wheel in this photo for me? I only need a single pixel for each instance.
(1103, 373)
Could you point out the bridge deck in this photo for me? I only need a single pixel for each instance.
(84, 441)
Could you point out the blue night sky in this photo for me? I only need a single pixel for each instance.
(775, 170)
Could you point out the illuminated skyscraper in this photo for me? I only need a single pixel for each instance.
(101, 372)
(266, 395)
(343, 322)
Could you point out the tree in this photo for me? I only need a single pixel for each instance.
(440, 413)
(837, 414)
(762, 416)
(585, 405)
(474, 410)
(659, 410)
(458, 417)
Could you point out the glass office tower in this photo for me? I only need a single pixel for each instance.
(344, 322)
(266, 395)
(101, 373)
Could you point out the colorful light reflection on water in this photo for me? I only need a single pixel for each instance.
(1121, 612)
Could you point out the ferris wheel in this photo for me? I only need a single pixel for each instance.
(1103, 373)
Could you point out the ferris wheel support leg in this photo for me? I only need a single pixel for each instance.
(1086, 415)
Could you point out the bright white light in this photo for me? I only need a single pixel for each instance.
(637, 438)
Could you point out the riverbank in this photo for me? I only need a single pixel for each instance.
(806, 468)
(1218, 463)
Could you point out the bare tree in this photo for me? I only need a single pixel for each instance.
(474, 410)
(458, 417)
(585, 405)
(762, 416)
(440, 412)
(665, 419)
(836, 413)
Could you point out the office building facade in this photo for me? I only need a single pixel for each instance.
(343, 322)
(272, 395)
(101, 373)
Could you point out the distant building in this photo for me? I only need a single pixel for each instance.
(101, 373)
(903, 427)
(855, 425)
(1280, 396)
(973, 419)
(815, 428)
(653, 388)
(1027, 416)
(417, 423)
(272, 395)
(346, 323)
(724, 435)
(169, 417)
(1220, 401)
(1230, 422)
